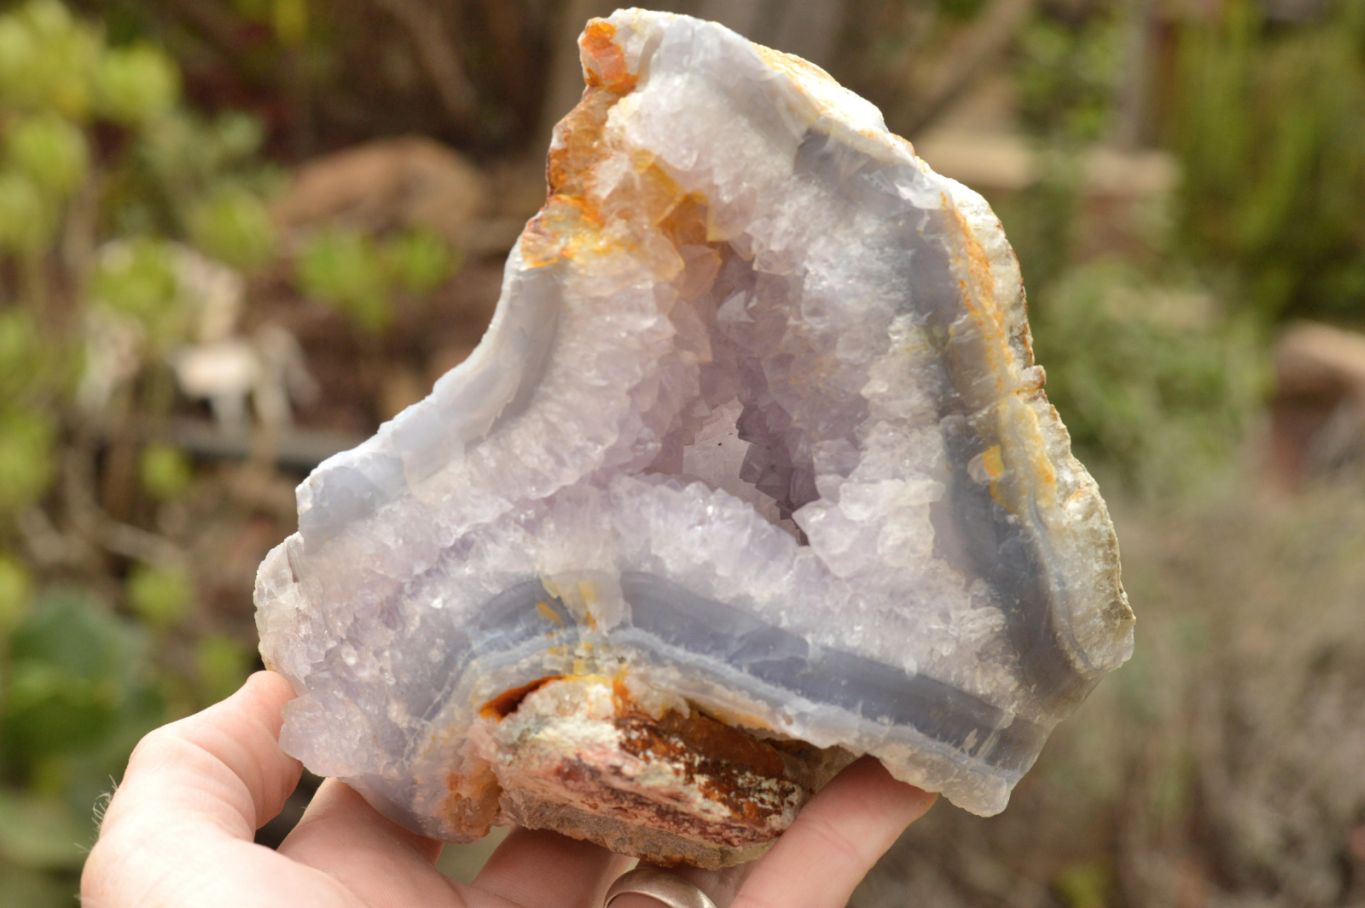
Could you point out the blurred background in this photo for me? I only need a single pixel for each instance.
(235, 235)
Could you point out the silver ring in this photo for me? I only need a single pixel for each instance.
(663, 887)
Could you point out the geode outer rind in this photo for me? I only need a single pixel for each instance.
(755, 435)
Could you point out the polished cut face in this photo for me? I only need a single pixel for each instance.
(752, 473)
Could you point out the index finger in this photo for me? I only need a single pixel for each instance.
(835, 841)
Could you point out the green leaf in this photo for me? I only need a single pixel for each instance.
(233, 225)
(290, 20)
(419, 260)
(342, 267)
(28, 221)
(50, 151)
(237, 135)
(73, 664)
(137, 84)
(78, 636)
(160, 596)
(51, 711)
(26, 458)
(138, 280)
(15, 592)
(77, 698)
(23, 356)
(47, 60)
(165, 471)
(1084, 885)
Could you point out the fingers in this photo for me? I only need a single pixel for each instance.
(539, 869)
(820, 860)
(834, 842)
(384, 864)
(179, 828)
(373, 857)
(221, 768)
(817, 863)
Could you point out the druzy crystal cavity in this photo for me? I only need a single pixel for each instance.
(752, 473)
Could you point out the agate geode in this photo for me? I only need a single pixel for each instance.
(752, 473)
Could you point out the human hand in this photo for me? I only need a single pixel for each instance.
(179, 831)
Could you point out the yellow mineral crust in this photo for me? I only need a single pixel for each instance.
(577, 220)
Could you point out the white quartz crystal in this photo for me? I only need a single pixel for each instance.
(756, 427)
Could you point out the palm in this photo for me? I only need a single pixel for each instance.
(179, 831)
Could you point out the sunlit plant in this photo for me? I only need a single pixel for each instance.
(365, 278)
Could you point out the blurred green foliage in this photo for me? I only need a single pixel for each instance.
(78, 691)
(233, 226)
(1085, 885)
(136, 85)
(1270, 131)
(287, 19)
(47, 61)
(164, 471)
(138, 281)
(160, 596)
(1067, 74)
(361, 275)
(15, 589)
(111, 190)
(1156, 383)
(220, 664)
(341, 267)
(1157, 364)
(50, 151)
(26, 222)
(418, 261)
(26, 457)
